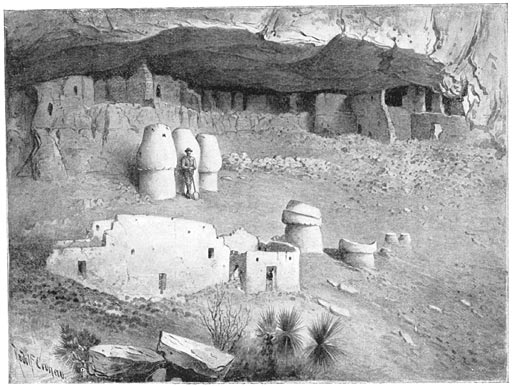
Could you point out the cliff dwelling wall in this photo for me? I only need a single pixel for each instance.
(87, 126)
(453, 127)
(370, 117)
(334, 115)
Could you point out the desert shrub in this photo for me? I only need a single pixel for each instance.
(250, 365)
(326, 347)
(73, 348)
(30, 253)
(225, 321)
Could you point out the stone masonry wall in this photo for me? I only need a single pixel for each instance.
(370, 116)
(454, 127)
(88, 126)
(334, 115)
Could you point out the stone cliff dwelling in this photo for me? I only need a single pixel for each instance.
(83, 123)
(150, 256)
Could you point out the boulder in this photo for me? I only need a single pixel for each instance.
(123, 362)
(204, 361)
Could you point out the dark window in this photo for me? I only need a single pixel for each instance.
(429, 96)
(158, 91)
(359, 129)
(50, 109)
(453, 106)
(162, 282)
(82, 268)
(394, 96)
(245, 102)
(75, 89)
(211, 253)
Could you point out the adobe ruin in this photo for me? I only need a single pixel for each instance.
(158, 257)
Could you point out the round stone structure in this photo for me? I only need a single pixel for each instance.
(303, 223)
(184, 138)
(156, 163)
(357, 254)
(211, 162)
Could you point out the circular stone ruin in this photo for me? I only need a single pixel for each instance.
(303, 223)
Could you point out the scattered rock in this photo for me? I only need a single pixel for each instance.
(114, 312)
(465, 302)
(334, 284)
(338, 311)
(227, 178)
(407, 210)
(406, 337)
(437, 309)
(348, 289)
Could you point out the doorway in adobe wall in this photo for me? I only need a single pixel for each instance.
(271, 276)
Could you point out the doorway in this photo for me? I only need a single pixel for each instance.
(271, 278)
(82, 268)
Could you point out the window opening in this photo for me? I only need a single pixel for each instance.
(158, 91)
(211, 253)
(393, 96)
(75, 89)
(50, 109)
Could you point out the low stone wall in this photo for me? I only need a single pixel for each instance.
(454, 127)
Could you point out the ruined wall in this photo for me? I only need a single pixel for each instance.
(62, 103)
(139, 86)
(287, 270)
(333, 114)
(94, 126)
(370, 116)
(454, 127)
(401, 118)
(187, 252)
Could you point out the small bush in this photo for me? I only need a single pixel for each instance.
(74, 345)
(225, 322)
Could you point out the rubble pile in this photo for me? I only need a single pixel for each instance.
(358, 161)
(294, 165)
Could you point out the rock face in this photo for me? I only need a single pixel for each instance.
(96, 78)
(468, 42)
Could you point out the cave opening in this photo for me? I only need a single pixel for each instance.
(453, 106)
(394, 96)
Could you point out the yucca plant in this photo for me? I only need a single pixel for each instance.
(74, 345)
(288, 338)
(266, 330)
(325, 349)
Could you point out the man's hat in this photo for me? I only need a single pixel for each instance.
(188, 149)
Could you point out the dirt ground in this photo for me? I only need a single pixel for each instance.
(434, 312)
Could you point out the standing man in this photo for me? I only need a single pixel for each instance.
(188, 166)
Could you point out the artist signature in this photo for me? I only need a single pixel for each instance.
(35, 362)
